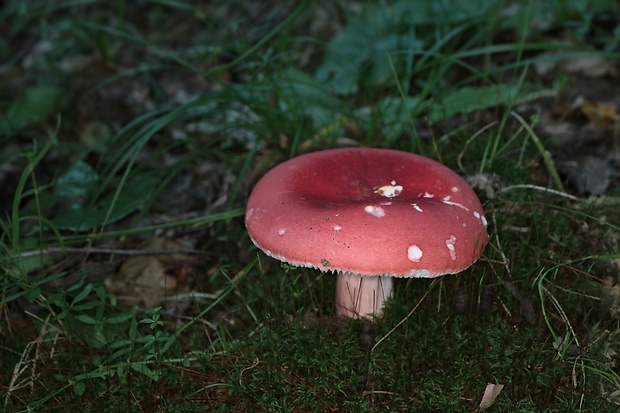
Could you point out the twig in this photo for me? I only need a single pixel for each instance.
(114, 251)
(540, 188)
(176, 297)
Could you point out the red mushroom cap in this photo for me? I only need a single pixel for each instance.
(368, 212)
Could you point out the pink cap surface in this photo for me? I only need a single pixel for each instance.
(368, 212)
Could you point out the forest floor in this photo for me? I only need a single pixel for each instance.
(132, 133)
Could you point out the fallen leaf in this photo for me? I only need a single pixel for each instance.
(142, 279)
(490, 394)
(488, 182)
(590, 66)
(589, 174)
(611, 298)
(150, 278)
(600, 115)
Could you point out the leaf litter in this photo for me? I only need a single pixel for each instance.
(585, 129)
(150, 279)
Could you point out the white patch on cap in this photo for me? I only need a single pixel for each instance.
(454, 189)
(375, 211)
(249, 213)
(481, 218)
(447, 201)
(427, 195)
(389, 191)
(337, 227)
(282, 231)
(417, 208)
(414, 253)
(385, 203)
(450, 244)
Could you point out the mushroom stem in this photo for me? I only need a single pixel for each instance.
(360, 296)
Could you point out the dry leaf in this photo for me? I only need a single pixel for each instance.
(149, 278)
(611, 298)
(588, 174)
(593, 66)
(600, 115)
(152, 283)
(590, 66)
(488, 182)
(490, 394)
(142, 279)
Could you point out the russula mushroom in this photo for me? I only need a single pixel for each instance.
(368, 215)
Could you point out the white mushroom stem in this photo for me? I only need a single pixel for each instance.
(362, 296)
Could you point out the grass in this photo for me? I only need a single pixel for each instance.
(126, 125)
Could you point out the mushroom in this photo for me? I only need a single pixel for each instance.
(367, 214)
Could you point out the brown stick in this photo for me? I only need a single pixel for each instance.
(71, 250)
